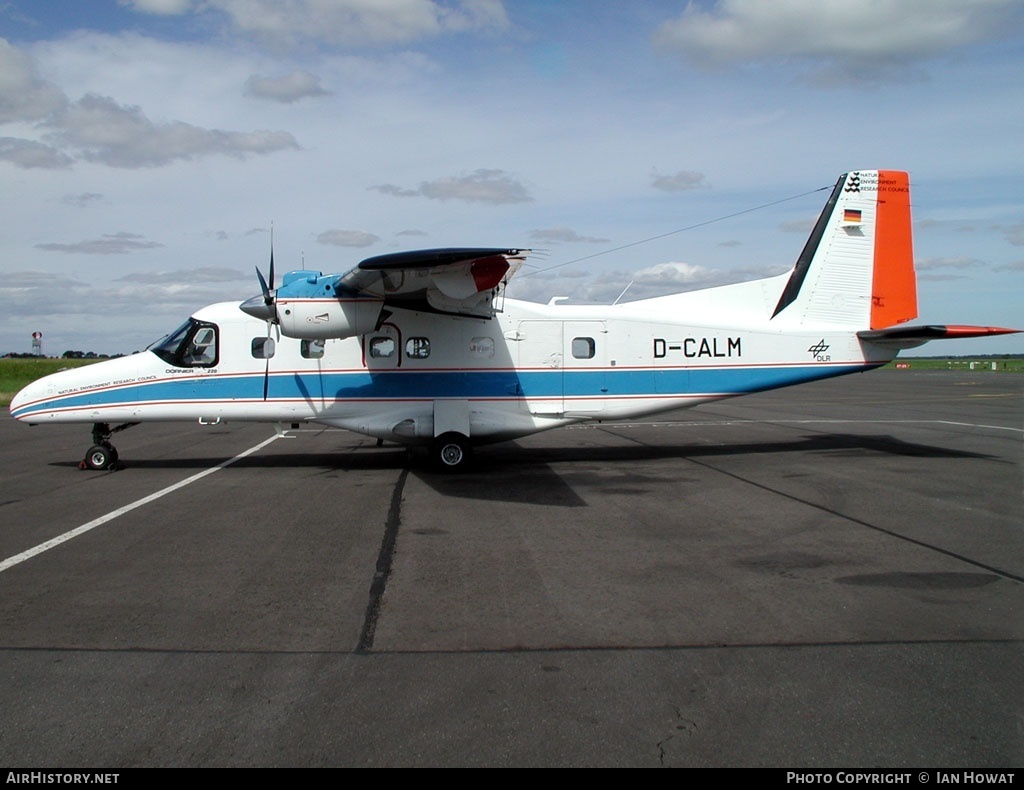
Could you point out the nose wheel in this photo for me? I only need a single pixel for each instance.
(102, 455)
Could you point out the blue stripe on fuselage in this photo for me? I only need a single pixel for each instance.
(435, 384)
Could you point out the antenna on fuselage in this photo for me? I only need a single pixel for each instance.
(623, 292)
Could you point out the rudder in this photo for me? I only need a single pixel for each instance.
(894, 284)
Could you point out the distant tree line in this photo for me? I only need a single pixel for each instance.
(65, 355)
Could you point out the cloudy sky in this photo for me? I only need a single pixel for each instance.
(147, 146)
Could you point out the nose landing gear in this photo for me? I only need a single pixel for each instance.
(99, 457)
(102, 455)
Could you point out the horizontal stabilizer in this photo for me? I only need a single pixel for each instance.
(913, 336)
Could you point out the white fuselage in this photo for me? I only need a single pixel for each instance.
(529, 368)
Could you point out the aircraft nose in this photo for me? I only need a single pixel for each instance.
(257, 307)
(26, 395)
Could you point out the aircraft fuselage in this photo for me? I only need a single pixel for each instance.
(528, 368)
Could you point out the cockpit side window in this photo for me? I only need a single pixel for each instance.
(192, 345)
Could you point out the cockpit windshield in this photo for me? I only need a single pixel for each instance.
(193, 344)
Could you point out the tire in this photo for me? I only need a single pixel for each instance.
(451, 452)
(100, 457)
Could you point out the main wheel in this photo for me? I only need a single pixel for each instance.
(100, 457)
(451, 452)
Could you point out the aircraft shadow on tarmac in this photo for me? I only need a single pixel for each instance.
(526, 474)
(508, 455)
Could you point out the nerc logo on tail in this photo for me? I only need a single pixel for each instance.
(423, 348)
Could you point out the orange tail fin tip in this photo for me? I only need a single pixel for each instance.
(894, 284)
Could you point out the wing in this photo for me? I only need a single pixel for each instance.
(459, 280)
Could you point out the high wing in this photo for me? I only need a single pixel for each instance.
(459, 280)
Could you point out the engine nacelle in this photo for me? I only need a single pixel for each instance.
(318, 319)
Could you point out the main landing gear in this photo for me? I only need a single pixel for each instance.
(451, 452)
(102, 455)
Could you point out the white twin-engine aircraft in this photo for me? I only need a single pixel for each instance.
(418, 348)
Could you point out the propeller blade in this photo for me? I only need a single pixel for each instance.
(263, 306)
(269, 350)
(266, 370)
(264, 288)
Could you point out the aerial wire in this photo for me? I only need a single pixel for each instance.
(674, 232)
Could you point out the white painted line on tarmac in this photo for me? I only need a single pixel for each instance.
(10, 562)
(976, 425)
(781, 421)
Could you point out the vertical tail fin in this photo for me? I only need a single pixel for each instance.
(857, 268)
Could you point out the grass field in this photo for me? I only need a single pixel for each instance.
(16, 373)
(1010, 365)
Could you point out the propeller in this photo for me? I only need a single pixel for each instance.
(263, 306)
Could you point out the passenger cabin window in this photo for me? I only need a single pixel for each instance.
(312, 349)
(191, 345)
(262, 347)
(583, 347)
(382, 347)
(417, 348)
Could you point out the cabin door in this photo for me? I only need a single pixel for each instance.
(539, 365)
(585, 368)
(562, 366)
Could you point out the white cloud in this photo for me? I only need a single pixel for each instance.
(82, 199)
(961, 262)
(24, 96)
(862, 42)
(203, 274)
(108, 244)
(31, 154)
(565, 235)
(100, 129)
(287, 89)
(674, 274)
(347, 238)
(680, 181)
(1015, 235)
(159, 7)
(801, 226)
(940, 278)
(122, 136)
(135, 313)
(480, 186)
(358, 23)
